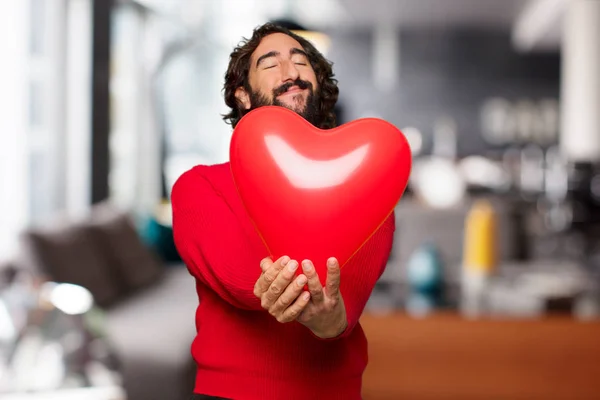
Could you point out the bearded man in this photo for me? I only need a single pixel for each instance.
(260, 334)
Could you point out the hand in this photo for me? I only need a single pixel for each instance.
(279, 292)
(325, 314)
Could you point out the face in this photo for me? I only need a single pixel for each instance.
(281, 74)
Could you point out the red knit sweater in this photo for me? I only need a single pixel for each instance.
(241, 351)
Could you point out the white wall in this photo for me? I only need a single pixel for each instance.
(14, 36)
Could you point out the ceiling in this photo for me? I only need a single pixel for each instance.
(533, 23)
(435, 13)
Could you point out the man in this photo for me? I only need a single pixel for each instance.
(260, 335)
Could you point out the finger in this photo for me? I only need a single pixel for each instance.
(295, 310)
(290, 294)
(314, 284)
(265, 264)
(280, 283)
(333, 277)
(272, 271)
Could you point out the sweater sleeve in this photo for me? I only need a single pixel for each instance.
(211, 242)
(359, 275)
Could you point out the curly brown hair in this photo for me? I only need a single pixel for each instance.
(239, 67)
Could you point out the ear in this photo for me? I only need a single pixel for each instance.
(243, 97)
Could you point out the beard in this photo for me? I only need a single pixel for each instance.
(309, 110)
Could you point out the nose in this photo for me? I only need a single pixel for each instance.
(289, 72)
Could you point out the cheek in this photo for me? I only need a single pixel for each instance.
(266, 86)
(257, 83)
(312, 78)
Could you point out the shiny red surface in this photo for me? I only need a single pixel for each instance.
(312, 193)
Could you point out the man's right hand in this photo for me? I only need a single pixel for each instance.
(279, 292)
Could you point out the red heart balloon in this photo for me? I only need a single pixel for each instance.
(314, 193)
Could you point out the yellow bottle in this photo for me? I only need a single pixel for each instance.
(479, 256)
(480, 253)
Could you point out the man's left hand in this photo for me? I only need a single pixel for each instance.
(325, 314)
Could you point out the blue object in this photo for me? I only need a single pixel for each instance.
(425, 269)
(421, 304)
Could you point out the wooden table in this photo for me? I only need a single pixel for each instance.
(445, 356)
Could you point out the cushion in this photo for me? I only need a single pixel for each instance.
(132, 261)
(68, 253)
(152, 332)
(8, 272)
(167, 310)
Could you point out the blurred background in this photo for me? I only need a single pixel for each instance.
(492, 287)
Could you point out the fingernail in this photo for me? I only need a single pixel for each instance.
(307, 265)
(306, 295)
(302, 281)
(331, 262)
(285, 260)
(293, 266)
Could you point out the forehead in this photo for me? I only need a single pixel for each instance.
(275, 42)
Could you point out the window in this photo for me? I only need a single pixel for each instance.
(42, 80)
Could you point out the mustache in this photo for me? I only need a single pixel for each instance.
(298, 82)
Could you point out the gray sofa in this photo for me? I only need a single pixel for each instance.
(149, 305)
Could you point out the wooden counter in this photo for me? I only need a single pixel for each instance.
(448, 357)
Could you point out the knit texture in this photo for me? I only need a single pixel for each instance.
(241, 351)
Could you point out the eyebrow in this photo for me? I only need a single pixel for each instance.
(273, 53)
